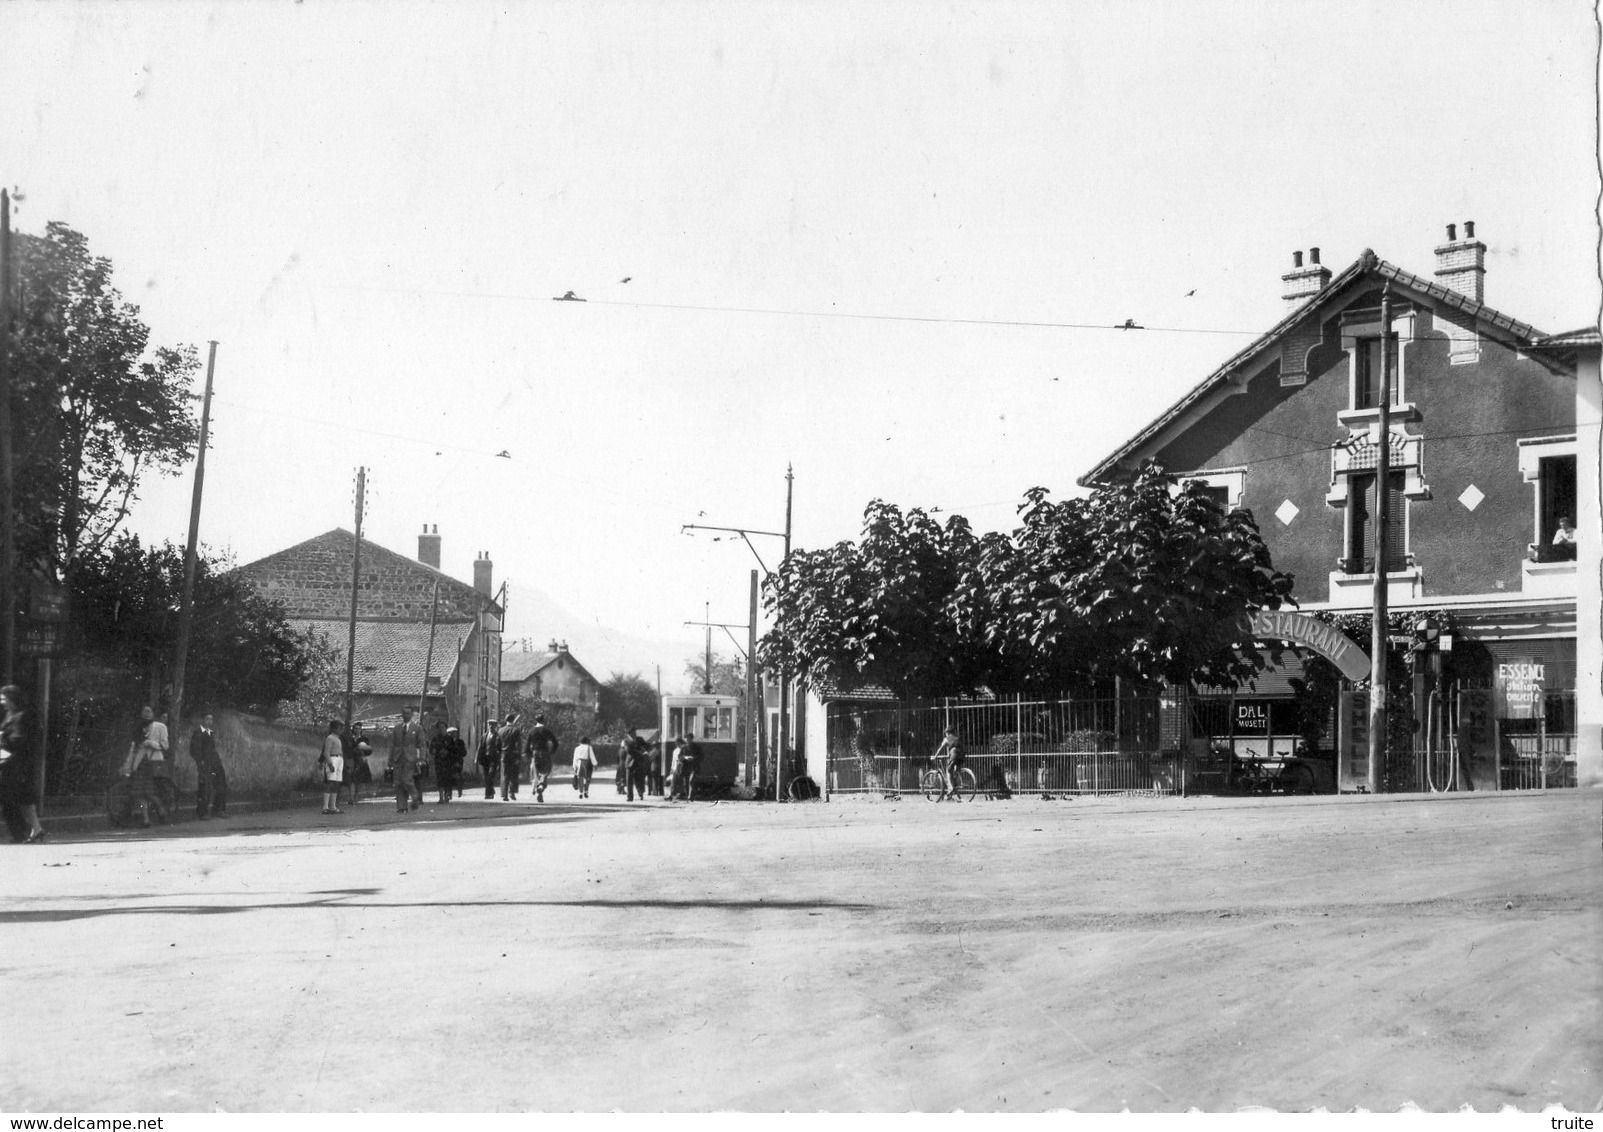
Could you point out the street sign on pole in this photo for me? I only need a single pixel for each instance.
(40, 639)
(47, 602)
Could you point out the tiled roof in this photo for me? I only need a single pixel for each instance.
(1522, 333)
(390, 654)
(518, 666)
(1570, 339)
(862, 693)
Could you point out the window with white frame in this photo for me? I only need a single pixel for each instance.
(1361, 339)
(1224, 486)
(1548, 463)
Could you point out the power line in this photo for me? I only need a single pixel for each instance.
(796, 312)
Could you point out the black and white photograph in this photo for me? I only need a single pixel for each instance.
(708, 557)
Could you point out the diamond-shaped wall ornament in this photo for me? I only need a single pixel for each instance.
(1471, 497)
(1286, 512)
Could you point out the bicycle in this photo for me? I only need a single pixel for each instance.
(933, 784)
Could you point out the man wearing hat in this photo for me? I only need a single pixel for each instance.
(489, 758)
(444, 753)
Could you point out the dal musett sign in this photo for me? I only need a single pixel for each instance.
(1326, 640)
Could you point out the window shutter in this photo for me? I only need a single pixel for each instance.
(1397, 523)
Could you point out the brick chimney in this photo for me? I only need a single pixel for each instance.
(1461, 264)
(1302, 283)
(483, 571)
(428, 546)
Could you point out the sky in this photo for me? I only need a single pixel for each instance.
(819, 237)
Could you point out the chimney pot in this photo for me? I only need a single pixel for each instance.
(1302, 283)
(1461, 264)
(428, 547)
(483, 575)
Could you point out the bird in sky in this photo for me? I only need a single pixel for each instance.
(503, 455)
(626, 279)
(1130, 324)
(569, 297)
(1191, 292)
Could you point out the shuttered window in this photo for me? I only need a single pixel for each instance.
(1361, 516)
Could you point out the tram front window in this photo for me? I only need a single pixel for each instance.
(720, 724)
(676, 721)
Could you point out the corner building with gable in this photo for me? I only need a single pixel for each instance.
(1483, 454)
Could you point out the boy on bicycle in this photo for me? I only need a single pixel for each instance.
(951, 757)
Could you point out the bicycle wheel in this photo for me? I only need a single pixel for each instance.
(933, 785)
(964, 784)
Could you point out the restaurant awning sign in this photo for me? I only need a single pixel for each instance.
(1326, 640)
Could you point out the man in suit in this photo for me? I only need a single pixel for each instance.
(489, 759)
(511, 740)
(406, 752)
(211, 781)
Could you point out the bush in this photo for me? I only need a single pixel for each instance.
(1013, 742)
(1088, 741)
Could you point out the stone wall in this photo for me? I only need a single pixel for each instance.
(313, 580)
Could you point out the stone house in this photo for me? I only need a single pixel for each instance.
(554, 676)
(411, 647)
(1482, 445)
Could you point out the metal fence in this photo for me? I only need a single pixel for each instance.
(1068, 746)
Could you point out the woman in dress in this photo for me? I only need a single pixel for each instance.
(332, 762)
(18, 781)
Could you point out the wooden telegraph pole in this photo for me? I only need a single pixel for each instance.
(784, 671)
(356, 575)
(186, 605)
(754, 707)
(1379, 635)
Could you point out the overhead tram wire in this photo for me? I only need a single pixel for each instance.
(789, 312)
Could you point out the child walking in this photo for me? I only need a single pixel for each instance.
(332, 760)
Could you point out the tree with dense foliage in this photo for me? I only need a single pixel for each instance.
(628, 702)
(243, 651)
(728, 675)
(96, 407)
(878, 610)
(1149, 580)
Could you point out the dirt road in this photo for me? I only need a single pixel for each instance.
(1023, 955)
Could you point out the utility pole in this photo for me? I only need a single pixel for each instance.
(784, 670)
(356, 575)
(706, 672)
(8, 516)
(428, 661)
(753, 688)
(1379, 636)
(186, 605)
(784, 681)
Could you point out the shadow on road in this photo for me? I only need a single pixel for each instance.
(368, 816)
(65, 915)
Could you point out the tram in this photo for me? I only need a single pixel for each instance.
(713, 721)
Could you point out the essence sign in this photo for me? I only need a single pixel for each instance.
(1326, 640)
(1520, 684)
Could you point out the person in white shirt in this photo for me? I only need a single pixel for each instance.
(332, 762)
(584, 766)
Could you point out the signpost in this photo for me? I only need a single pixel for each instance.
(43, 637)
